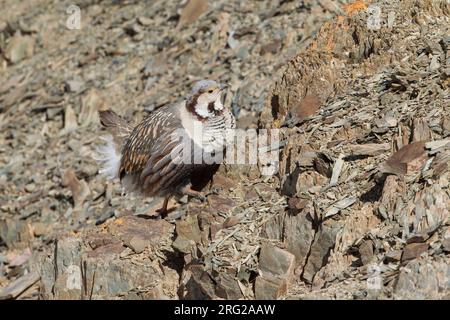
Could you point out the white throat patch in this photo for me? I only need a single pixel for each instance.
(202, 110)
(218, 105)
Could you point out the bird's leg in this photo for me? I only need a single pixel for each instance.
(212, 188)
(163, 210)
(187, 190)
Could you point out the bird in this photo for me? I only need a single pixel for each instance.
(154, 159)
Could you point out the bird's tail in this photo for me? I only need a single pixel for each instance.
(117, 126)
(109, 154)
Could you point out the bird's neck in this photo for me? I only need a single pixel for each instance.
(203, 110)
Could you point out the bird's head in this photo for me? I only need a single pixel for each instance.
(205, 99)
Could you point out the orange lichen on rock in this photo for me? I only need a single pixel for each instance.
(354, 7)
(119, 222)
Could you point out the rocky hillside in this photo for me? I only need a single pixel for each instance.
(359, 208)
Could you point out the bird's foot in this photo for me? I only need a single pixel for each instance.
(193, 193)
(162, 212)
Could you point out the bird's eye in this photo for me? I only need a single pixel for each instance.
(211, 91)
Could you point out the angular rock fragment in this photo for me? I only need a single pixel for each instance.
(70, 119)
(413, 250)
(372, 149)
(79, 188)
(324, 241)
(424, 279)
(19, 48)
(192, 11)
(15, 288)
(276, 271)
(409, 158)
(91, 266)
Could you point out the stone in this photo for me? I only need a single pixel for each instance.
(276, 268)
(79, 188)
(409, 158)
(393, 256)
(70, 119)
(15, 233)
(19, 48)
(324, 241)
(220, 203)
(18, 286)
(424, 279)
(421, 130)
(298, 235)
(138, 244)
(144, 21)
(227, 287)
(188, 233)
(413, 250)
(197, 284)
(192, 11)
(31, 187)
(446, 245)
(366, 251)
(370, 149)
(90, 266)
(75, 86)
(272, 47)
(148, 231)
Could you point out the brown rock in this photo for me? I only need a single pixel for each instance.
(227, 287)
(197, 284)
(138, 231)
(73, 270)
(232, 221)
(79, 188)
(220, 203)
(138, 244)
(297, 204)
(324, 240)
(192, 11)
(277, 269)
(189, 228)
(40, 228)
(298, 236)
(409, 158)
(144, 21)
(366, 251)
(18, 286)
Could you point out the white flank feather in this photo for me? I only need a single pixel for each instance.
(108, 158)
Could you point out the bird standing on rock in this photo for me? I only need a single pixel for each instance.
(151, 157)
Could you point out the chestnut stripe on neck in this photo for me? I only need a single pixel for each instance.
(190, 106)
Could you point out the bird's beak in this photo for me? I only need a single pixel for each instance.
(223, 86)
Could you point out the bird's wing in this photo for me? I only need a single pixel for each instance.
(149, 149)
